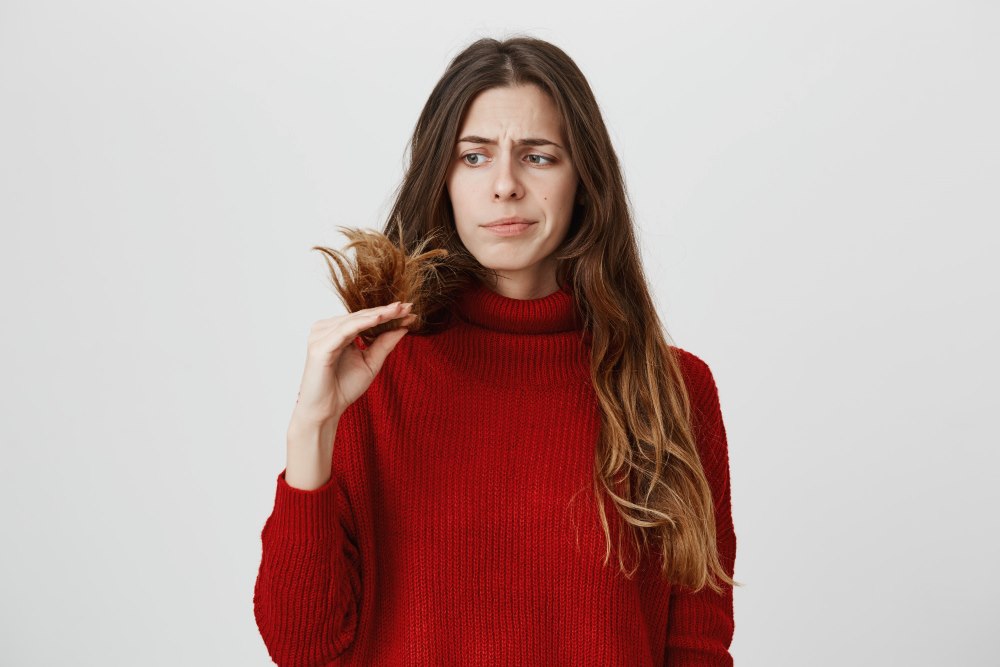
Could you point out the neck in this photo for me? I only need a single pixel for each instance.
(525, 284)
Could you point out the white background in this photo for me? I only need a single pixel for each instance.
(815, 187)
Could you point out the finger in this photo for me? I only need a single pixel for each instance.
(380, 348)
(358, 321)
(392, 310)
(347, 329)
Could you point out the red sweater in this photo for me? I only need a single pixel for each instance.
(459, 526)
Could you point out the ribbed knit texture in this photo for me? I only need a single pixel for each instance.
(459, 525)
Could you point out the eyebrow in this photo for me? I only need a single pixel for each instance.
(531, 141)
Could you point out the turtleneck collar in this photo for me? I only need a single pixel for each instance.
(478, 305)
(506, 343)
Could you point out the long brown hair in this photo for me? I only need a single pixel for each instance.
(647, 460)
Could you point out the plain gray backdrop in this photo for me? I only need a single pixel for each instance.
(815, 190)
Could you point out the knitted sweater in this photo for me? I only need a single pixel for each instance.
(459, 526)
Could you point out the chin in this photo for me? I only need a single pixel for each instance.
(504, 268)
(501, 261)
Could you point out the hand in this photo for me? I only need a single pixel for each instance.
(337, 371)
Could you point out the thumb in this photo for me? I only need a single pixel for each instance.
(381, 347)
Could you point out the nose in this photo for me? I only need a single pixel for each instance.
(506, 185)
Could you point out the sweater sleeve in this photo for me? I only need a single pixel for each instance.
(308, 588)
(700, 625)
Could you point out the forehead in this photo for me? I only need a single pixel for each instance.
(524, 110)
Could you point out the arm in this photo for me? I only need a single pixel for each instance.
(700, 625)
(308, 588)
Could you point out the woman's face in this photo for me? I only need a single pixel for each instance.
(511, 160)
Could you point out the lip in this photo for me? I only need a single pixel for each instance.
(513, 220)
(509, 226)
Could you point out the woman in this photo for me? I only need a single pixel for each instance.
(431, 510)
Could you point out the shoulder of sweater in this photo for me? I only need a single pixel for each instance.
(694, 367)
(699, 379)
(706, 416)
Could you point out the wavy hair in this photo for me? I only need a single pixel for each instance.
(647, 460)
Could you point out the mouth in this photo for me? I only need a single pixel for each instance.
(513, 220)
(508, 228)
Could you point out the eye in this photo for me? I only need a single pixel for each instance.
(551, 160)
(473, 164)
(480, 158)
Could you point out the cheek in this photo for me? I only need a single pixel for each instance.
(560, 199)
(454, 192)
(458, 191)
(464, 215)
(562, 190)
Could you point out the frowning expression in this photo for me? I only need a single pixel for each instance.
(511, 161)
